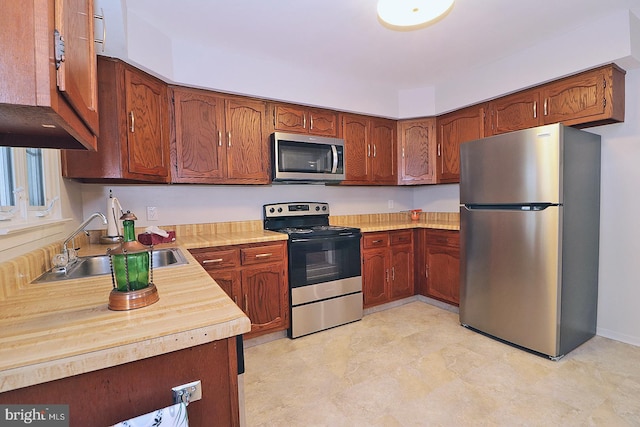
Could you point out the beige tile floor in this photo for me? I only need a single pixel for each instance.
(414, 365)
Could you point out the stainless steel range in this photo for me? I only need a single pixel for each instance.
(325, 280)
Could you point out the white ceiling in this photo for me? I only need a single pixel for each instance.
(345, 37)
(274, 48)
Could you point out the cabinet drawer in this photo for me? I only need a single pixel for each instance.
(443, 238)
(375, 240)
(212, 260)
(401, 237)
(261, 254)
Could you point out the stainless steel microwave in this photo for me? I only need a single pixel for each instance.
(306, 158)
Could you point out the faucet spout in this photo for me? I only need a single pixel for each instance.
(82, 227)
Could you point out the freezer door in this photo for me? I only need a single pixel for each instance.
(510, 276)
(518, 167)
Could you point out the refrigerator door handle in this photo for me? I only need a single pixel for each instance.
(511, 207)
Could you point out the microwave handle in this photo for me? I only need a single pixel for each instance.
(335, 159)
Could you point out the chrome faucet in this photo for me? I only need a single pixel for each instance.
(81, 228)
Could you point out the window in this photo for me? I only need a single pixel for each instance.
(29, 185)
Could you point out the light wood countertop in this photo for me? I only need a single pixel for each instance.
(59, 329)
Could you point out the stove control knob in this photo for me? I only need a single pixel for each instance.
(324, 208)
(317, 208)
(272, 210)
(279, 209)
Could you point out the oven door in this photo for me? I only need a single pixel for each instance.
(325, 259)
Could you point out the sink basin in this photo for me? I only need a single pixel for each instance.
(99, 265)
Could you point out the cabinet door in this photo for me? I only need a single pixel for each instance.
(443, 265)
(401, 275)
(197, 143)
(355, 131)
(454, 129)
(229, 281)
(247, 142)
(577, 99)
(289, 118)
(417, 155)
(147, 130)
(383, 166)
(375, 277)
(265, 297)
(77, 74)
(515, 112)
(323, 122)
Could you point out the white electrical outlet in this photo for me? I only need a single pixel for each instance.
(390, 204)
(152, 213)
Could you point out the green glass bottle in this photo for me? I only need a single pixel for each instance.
(131, 262)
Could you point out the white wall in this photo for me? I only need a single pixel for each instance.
(194, 204)
(619, 285)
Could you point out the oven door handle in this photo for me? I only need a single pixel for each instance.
(334, 238)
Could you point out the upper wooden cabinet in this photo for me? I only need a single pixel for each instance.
(217, 139)
(595, 97)
(417, 151)
(48, 98)
(369, 150)
(314, 121)
(454, 129)
(134, 129)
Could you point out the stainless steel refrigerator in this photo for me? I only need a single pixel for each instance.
(529, 235)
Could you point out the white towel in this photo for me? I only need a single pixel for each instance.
(171, 416)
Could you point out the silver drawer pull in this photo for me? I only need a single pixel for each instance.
(209, 261)
(263, 255)
(377, 241)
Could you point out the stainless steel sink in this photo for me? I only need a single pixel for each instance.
(99, 265)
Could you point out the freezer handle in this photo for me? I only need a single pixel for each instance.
(510, 207)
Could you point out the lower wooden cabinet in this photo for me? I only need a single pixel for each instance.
(438, 271)
(387, 266)
(111, 395)
(255, 277)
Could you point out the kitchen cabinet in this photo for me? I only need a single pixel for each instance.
(417, 151)
(440, 265)
(387, 266)
(595, 97)
(115, 394)
(456, 128)
(592, 98)
(369, 150)
(298, 119)
(48, 99)
(218, 139)
(514, 112)
(134, 129)
(255, 277)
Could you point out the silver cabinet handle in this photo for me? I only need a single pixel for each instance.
(132, 118)
(264, 255)
(304, 121)
(219, 138)
(535, 110)
(374, 150)
(439, 149)
(229, 139)
(368, 150)
(310, 121)
(211, 261)
(546, 111)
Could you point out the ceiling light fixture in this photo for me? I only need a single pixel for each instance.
(411, 14)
